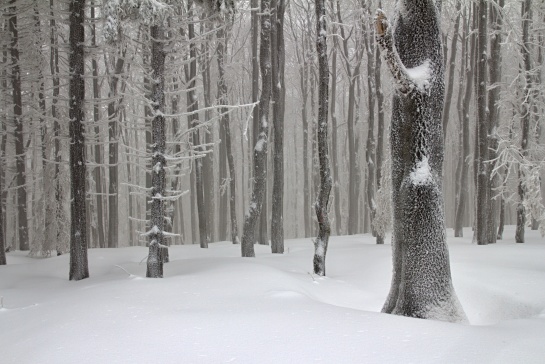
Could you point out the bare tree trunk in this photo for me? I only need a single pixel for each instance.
(260, 150)
(98, 150)
(483, 196)
(78, 245)
(158, 161)
(2, 243)
(467, 53)
(278, 95)
(452, 67)
(322, 198)
(525, 118)
(334, 138)
(20, 153)
(222, 90)
(304, 76)
(494, 64)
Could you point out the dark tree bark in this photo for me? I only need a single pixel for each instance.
(18, 133)
(260, 149)
(525, 117)
(158, 161)
(278, 96)
(225, 121)
(334, 138)
(322, 198)
(78, 245)
(483, 176)
(2, 243)
(421, 284)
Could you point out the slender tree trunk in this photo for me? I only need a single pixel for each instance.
(158, 162)
(334, 138)
(2, 242)
(452, 68)
(222, 90)
(20, 154)
(483, 196)
(304, 75)
(98, 150)
(322, 198)
(78, 245)
(525, 117)
(464, 125)
(278, 95)
(260, 149)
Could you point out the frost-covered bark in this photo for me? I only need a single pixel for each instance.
(322, 200)
(158, 161)
(421, 283)
(525, 118)
(260, 149)
(278, 94)
(78, 232)
(2, 243)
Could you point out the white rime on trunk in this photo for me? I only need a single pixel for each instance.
(322, 200)
(158, 161)
(421, 285)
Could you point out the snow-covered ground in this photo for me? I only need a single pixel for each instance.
(215, 307)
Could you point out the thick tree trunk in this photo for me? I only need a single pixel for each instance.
(278, 96)
(421, 284)
(20, 154)
(158, 161)
(260, 149)
(78, 245)
(322, 198)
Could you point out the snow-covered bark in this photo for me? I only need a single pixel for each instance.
(322, 200)
(2, 243)
(260, 149)
(525, 118)
(78, 232)
(158, 160)
(421, 284)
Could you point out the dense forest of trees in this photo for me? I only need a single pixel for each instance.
(140, 122)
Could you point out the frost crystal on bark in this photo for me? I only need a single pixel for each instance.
(421, 284)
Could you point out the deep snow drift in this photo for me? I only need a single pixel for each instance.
(215, 307)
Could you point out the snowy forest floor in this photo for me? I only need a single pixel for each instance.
(215, 307)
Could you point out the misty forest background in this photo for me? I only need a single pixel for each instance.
(211, 90)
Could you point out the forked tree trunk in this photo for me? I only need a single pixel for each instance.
(421, 285)
(78, 232)
(322, 198)
(260, 149)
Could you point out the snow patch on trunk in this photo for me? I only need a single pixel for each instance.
(421, 175)
(421, 75)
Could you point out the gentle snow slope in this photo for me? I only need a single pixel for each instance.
(215, 307)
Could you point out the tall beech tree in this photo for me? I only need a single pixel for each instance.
(322, 199)
(78, 232)
(421, 284)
